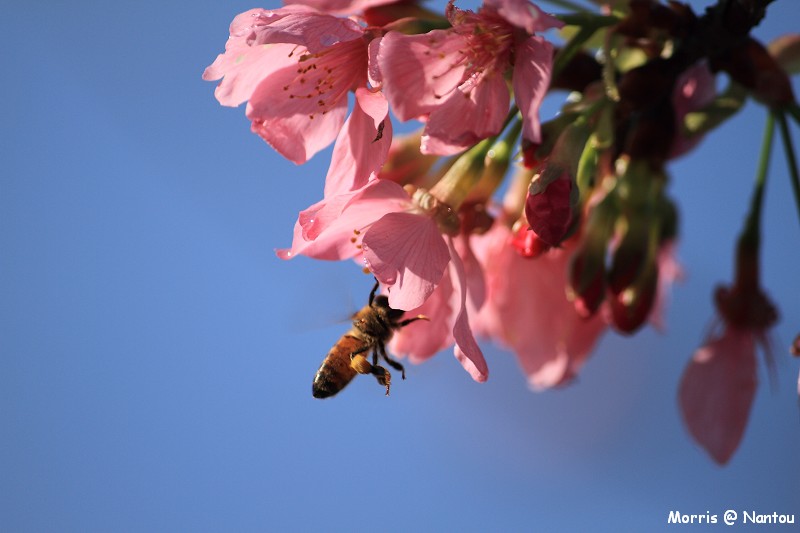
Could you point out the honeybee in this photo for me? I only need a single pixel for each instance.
(373, 327)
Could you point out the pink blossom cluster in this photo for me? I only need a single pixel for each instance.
(583, 238)
(295, 67)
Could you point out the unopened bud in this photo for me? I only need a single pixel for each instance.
(752, 66)
(786, 51)
(587, 282)
(587, 270)
(526, 242)
(405, 163)
(631, 307)
(550, 203)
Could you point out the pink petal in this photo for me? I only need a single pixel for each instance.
(341, 7)
(532, 69)
(525, 15)
(374, 70)
(362, 145)
(419, 70)
(315, 31)
(407, 252)
(476, 295)
(332, 228)
(469, 115)
(300, 108)
(426, 338)
(717, 391)
(466, 349)
(243, 68)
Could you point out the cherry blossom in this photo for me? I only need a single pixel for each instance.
(400, 239)
(295, 67)
(454, 78)
(717, 391)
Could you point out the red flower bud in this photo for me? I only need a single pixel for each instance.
(631, 307)
(527, 243)
(587, 282)
(549, 206)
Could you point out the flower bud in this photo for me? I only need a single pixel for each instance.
(550, 203)
(631, 307)
(629, 258)
(786, 51)
(587, 281)
(587, 269)
(526, 242)
(752, 66)
(405, 163)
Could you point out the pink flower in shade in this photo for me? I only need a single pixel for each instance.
(399, 238)
(694, 90)
(527, 310)
(454, 79)
(296, 66)
(717, 391)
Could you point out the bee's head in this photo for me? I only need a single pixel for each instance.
(382, 302)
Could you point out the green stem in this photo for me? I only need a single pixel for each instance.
(788, 147)
(752, 230)
(794, 110)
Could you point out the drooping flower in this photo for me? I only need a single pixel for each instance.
(717, 391)
(295, 67)
(406, 241)
(454, 78)
(719, 384)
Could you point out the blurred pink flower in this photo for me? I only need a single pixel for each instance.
(454, 79)
(527, 310)
(295, 65)
(719, 384)
(717, 391)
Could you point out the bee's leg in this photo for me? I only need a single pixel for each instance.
(408, 321)
(373, 292)
(383, 376)
(359, 363)
(392, 363)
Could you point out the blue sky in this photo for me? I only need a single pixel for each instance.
(156, 357)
